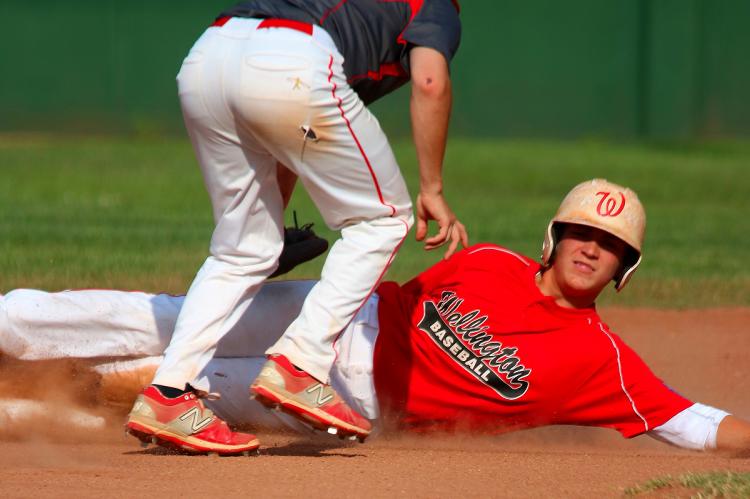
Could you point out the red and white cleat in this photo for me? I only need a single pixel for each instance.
(184, 423)
(282, 385)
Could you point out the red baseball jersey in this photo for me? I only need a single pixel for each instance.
(473, 344)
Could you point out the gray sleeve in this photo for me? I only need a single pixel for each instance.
(436, 26)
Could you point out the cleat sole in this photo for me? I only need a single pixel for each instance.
(189, 445)
(321, 421)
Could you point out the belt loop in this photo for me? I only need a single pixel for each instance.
(221, 21)
(306, 28)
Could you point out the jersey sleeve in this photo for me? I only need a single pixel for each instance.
(620, 392)
(437, 26)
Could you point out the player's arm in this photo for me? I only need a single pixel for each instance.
(701, 427)
(430, 106)
(733, 436)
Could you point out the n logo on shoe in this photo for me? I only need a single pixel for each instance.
(321, 398)
(196, 425)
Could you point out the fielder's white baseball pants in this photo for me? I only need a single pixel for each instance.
(251, 97)
(128, 331)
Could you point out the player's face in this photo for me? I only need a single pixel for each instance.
(586, 260)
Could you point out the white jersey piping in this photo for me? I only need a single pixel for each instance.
(501, 250)
(622, 381)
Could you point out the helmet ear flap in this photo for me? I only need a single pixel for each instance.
(550, 241)
(629, 265)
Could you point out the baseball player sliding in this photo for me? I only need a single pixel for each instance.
(487, 340)
(283, 85)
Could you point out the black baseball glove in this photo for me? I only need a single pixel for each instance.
(301, 244)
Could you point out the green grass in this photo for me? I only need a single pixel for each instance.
(727, 484)
(124, 213)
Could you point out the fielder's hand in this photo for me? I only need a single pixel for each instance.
(434, 207)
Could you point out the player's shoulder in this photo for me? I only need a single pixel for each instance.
(445, 9)
(435, 24)
(599, 324)
(609, 338)
(497, 260)
(498, 253)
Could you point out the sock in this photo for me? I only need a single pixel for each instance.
(170, 392)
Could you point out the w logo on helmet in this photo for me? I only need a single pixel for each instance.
(608, 206)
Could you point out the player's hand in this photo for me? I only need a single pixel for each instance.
(450, 230)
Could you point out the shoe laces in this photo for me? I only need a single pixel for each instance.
(206, 395)
(305, 227)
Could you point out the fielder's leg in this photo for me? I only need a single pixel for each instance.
(355, 181)
(325, 134)
(240, 177)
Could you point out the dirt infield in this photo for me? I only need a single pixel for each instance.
(704, 354)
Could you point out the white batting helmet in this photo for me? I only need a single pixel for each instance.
(606, 206)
